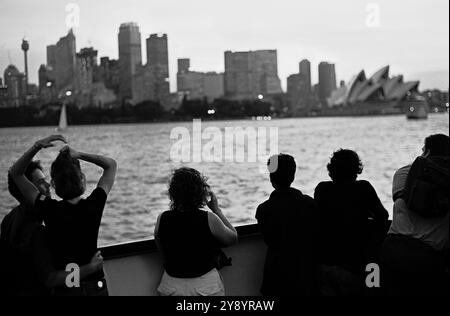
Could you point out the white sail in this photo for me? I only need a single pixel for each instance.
(63, 119)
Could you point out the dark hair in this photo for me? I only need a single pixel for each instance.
(188, 190)
(12, 187)
(437, 144)
(282, 169)
(344, 165)
(67, 176)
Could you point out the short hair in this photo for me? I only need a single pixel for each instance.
(437, 145)
(344, 165)
(67, 176)
(188, 190)
(282, 168)
(12, 186)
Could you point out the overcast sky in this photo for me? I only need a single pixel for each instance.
(412, 35)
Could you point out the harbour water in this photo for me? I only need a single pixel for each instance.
(143, 154)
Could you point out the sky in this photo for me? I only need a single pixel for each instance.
(410, 35)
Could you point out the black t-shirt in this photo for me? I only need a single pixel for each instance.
(188, 245)
(345, 209)
(72, 229)
(288, 222)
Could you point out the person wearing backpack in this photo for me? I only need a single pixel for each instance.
(415, 253)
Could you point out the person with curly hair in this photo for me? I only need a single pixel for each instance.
(189, 237)
(346, 207)
(73, 223)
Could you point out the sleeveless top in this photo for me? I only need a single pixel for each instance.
(188, 245)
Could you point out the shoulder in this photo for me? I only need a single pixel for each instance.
(324, 186)
(402, 172)
(97, 196)
(262, 209)
(364, 184)
(99, 192)
(308, 200)
(163, 215)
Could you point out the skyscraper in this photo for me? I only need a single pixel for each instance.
(130, 56)
(51, 56)
(15, 82)
(86, 65)
(327, 81)
(305, 70)
(298, 91)
(65, 61)
(158, 63)
(249, 75)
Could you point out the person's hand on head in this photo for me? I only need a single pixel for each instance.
(49, 141)
(72, 152)
(213, 204)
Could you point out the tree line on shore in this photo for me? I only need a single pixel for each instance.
(148, 111)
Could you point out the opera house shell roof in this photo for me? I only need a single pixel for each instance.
(378, 88)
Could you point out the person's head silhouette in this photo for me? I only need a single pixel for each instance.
(282, 169)
(344, 166)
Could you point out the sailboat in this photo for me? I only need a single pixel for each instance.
(62, 119)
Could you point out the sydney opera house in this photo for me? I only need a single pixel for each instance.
(378, 90)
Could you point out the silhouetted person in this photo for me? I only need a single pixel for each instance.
(415, 251)
(26, 264)
(288, 222)
(346, 206)
(73, 223)
(189, 238)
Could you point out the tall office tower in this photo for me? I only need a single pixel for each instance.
(51, 56)
(305, 70)
(327, 81)
(249, 75)
(65, 61)
(158, 61)
(86, 67)
(298, 92)
(130, 57)
(25, 48)
(109, 73)
(15, 82)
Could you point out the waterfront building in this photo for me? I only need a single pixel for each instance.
(199, 85)
(327, 81)
(379, 88)
(158, 65)
(251, 75)
(130, 57)
(15, 83)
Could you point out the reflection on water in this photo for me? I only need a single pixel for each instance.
(142, 151)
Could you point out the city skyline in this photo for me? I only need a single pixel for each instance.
(204, 39)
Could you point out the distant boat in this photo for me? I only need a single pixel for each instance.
(62, 119)
(417, 111)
